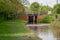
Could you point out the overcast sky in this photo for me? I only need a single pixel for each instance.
(50, 3)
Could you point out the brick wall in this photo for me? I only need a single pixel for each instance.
(24, 17)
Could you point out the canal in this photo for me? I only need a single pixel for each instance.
(46, 33)
(43, 31)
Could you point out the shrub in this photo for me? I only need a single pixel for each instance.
(8, 9)
(47, 19)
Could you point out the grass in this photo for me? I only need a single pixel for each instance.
(55, 26)
(16, 38)
(11, 27)
(14, 30)
(48, 19)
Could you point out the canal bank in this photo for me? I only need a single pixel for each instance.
(16, 30)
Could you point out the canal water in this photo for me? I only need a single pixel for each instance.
(46, 33)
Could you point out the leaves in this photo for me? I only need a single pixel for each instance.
(24, 2)
(56, 9)
(34, 6)
(45, 8)
(10, 6)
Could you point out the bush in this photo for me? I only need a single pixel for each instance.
(8, 8)
(3, 16)
(47, 19)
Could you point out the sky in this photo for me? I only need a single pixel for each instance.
(50, 3)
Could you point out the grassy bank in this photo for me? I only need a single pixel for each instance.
(14, 30)
(18, 38)
(55, 26)
(13, 26)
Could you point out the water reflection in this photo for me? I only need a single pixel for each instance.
(47, 34)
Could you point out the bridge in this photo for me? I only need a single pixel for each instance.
(33, 21)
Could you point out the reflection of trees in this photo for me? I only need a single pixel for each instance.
(43, 30)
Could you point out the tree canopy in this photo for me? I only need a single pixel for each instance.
(34, 6)
(25, 2)
(10, 6)
(56, 9)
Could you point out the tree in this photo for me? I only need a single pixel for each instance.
(56, 9)
(44, 9)
(24, 2)
(34, 6)
(8, 7)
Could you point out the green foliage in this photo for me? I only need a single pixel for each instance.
(47, 19)
(3, 16)
(56, 9)
(24, 2)
(12, 27)
(34, 6)
(44, 8)
(15, 30)
(8, 7)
